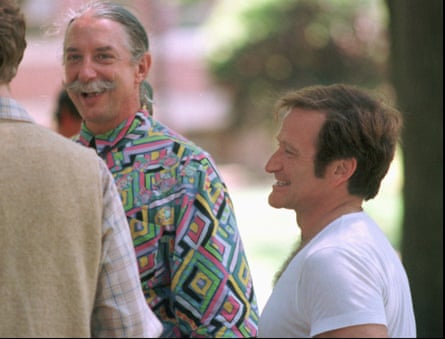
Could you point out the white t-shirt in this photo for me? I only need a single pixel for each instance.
(348, 274)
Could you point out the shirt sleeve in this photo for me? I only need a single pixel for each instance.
(120, 308)
(211, 279)
(341, 289)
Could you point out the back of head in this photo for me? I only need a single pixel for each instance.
(68, 119)
(358, 125)
(12, 39)
(64, 101)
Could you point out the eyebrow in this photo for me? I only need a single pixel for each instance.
(104, 49)
(290, 146)
(99, 49)
(284, 142)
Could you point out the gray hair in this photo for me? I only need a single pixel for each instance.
(138, 39)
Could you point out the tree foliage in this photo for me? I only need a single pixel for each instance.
(262, 48)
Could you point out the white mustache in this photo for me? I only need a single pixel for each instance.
(90, 87)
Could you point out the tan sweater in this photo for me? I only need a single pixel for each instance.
(50, 224)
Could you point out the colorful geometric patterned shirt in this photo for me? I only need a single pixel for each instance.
(193, 267)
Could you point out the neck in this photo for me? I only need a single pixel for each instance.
(312, 222)
(4, 90)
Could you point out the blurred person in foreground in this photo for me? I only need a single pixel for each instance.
(66, 116)
(67, 263)
(345, 279)
(192, 264)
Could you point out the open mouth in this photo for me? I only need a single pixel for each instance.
(282, 183)
(90, 95)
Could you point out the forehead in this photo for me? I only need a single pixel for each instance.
(89, 30)
(301, 125)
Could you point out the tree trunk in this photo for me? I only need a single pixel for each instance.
(416, 28)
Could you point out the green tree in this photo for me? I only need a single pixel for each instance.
(259, 49)
(417, 73)
(265, 47)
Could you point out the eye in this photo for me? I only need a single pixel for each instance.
(287, 149)
(284, 147)
(104, 57)
(72, 58)
(290, 151)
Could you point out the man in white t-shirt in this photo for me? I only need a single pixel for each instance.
(345, 279)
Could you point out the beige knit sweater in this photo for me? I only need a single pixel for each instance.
(50, 241)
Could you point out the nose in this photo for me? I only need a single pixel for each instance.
(272, 165)
(86, 70)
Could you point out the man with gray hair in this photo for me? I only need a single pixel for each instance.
(192, 263)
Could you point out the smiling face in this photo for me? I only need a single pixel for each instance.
(292, 164)
(100, 76)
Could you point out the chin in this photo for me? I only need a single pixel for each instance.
(274, 202)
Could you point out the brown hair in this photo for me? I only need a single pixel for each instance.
(12, 39)
(358, 125)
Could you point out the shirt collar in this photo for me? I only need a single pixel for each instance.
(12, 110)
(111, 138)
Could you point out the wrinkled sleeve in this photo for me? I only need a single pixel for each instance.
(120, 309)
(211, 278)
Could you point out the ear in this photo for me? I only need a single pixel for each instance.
(343, 169)
(143, 66)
